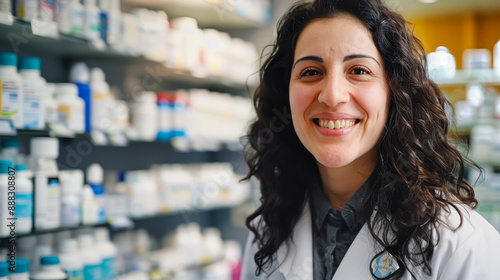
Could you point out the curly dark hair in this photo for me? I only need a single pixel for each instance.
(422, 173)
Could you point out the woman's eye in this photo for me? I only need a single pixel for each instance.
(309, 72)
(360, 71)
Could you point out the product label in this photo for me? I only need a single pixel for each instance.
(108, 268)
(64, 113)
(102, 213)
(89, 212)
(10, 101)
(27, 9)
(92, 272)
(47, 8)
(101, 118)
(24, 205)
(165, 118)
(53, 214)
(178, 119)
(4, 214)
(74, 274)
(5, 6)
(51, 115)
(31, 108)
(76, 19)
(70, 213)
(77, 119)
(92, 26)
(41, 182)
(164, 122)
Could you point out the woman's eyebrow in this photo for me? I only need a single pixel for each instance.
(309, 57)
(358, 55)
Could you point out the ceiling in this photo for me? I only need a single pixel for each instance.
(415, 8)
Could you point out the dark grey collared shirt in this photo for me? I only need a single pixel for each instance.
(335, 230)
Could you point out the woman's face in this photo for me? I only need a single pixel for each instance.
(339, 96)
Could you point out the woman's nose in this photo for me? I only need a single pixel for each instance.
(335, 91)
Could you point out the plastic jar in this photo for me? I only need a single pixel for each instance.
(71, 108)
(49, 269)
(33, 92)
(11, 98)
(71, 261)
(22, 270)
(24, 199)
(145, 115)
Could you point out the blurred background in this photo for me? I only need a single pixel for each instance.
(120, 127)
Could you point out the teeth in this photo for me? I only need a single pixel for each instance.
(335, 124)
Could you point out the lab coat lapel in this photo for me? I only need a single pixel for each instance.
(295, 257)
(355, 264)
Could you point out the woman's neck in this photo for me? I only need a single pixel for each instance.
(339, 184)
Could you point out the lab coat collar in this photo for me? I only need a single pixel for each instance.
(295, 257)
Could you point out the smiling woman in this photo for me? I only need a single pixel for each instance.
(362, 184)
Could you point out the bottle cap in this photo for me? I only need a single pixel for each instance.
(101, 234)
(146, 96)
(67, 89)
(68, 245)
(62, 235)
(22, 266)
(49, 260)
(21, 167)
(8, 59)
(29, 63)
(44, 147)
(162, 97)
(10, 143)
(476, 59)
(4, 269)
(94, 174)
(85, 241)
(184, 23)
(71, 181)
(97, 74)
(4, 166)
(79, 73)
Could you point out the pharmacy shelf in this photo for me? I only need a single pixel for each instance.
(467, 76)
(180, 146)
(189, 211)
(19, 38)
(219, 14)
(178, 78)
(133, 219)
(55, 230)
(28, 133)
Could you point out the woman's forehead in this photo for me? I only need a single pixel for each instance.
(342, 34)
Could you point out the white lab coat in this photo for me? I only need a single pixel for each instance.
(470, 253)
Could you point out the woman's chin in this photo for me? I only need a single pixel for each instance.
(333, 162)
